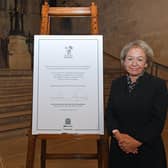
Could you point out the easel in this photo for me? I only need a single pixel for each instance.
(102, 142)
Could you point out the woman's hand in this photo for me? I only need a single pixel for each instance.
(127, 143)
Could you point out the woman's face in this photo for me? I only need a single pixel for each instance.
(135, 61)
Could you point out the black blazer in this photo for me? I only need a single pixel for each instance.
(142, 115)
(142, 112)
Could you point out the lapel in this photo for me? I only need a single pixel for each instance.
(140, 87)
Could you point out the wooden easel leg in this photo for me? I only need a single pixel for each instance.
(43, 153)
(105, 152)
(30, 150)
(99, 151)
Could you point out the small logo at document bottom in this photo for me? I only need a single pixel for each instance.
(67, 121)
(67, 124)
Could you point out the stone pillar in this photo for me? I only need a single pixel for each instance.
(19, 56)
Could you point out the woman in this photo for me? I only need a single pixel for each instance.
(136, 112)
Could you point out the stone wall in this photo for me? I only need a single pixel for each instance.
(31, 17)
(129, 20)
(119, 22)
(18, 54)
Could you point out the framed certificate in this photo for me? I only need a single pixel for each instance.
(68, 84)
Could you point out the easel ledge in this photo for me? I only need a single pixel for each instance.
(69, 136)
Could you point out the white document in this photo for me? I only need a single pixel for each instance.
(68, 84)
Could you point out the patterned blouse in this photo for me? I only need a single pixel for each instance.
(132, 85)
